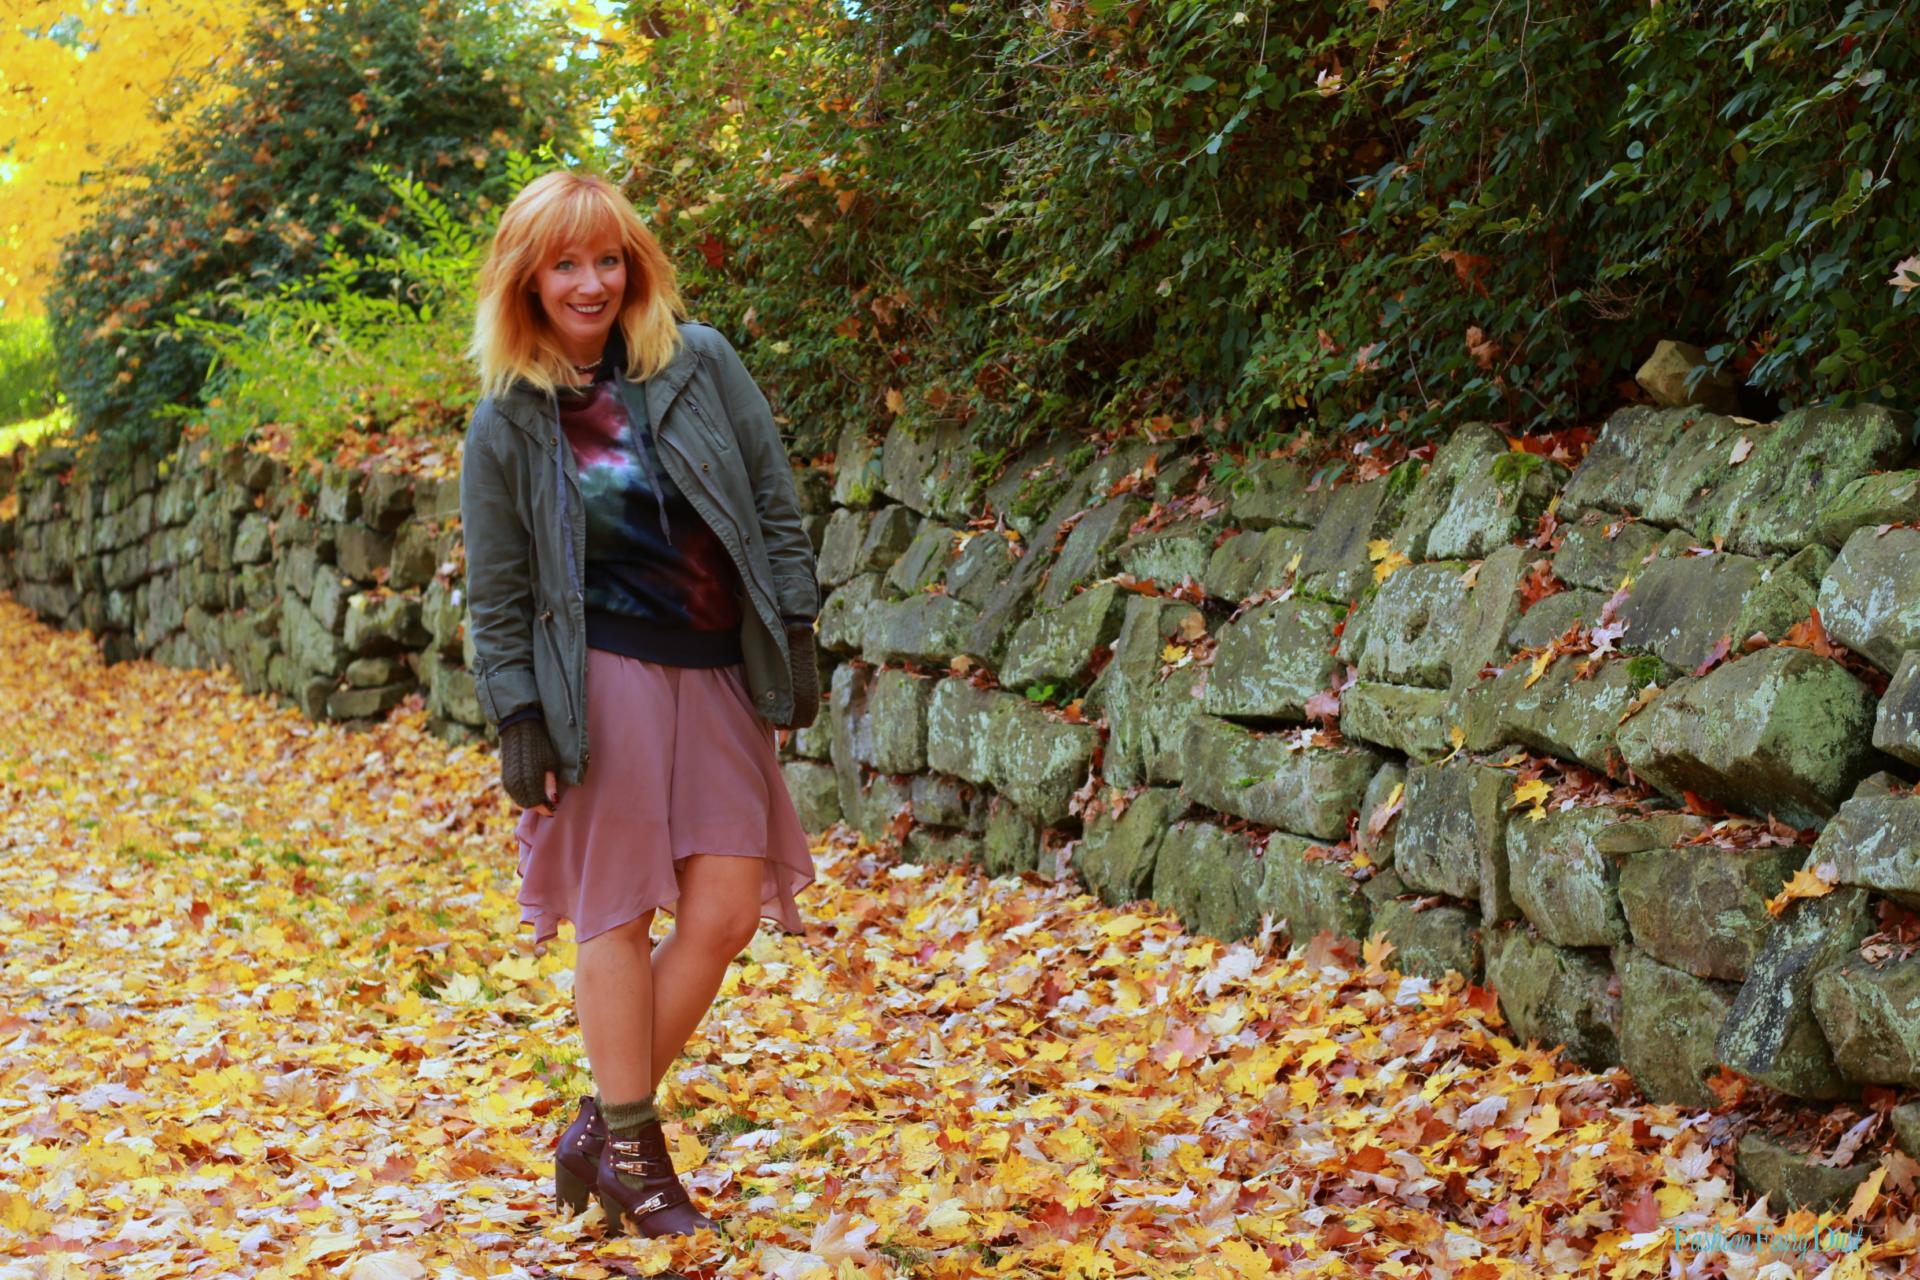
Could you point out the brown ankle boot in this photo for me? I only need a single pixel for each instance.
(659, 1206)
(576, 1158)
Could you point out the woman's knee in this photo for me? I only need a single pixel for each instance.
(719, 903)
(723, 927)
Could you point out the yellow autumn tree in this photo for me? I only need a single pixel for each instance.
(91, 89)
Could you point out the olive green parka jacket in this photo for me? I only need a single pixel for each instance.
(525, 531)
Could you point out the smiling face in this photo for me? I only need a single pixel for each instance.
(581, 286)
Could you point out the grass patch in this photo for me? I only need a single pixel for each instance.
(32, 431)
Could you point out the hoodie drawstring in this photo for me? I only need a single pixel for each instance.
(643, 432)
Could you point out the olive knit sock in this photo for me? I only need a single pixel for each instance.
(627, 1116)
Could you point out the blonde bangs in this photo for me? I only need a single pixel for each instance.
(512, 340)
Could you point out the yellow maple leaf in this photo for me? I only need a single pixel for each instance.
(516, 968)
(948, 1220)
(896, 403)
(1319, 1053)
(1534, 791)
(1674, 1200)
(1807, 882)
(1865, 1194)
(1386, 560)
(1539, 668)
(1244, 1259)
(1375, 950)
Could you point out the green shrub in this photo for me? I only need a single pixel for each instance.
(26, 369)
(1026, 218)
(1264, 217)
(1567, 186)
(374, 341)
(282, 175)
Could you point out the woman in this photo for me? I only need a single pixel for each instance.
(637, 570)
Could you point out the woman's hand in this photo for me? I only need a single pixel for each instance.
(527, 766)
(550, 788)
(805, 669)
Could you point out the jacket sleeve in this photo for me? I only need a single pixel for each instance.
(789, 550)
(499, 592)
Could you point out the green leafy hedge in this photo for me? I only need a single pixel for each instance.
(283, 175)
(26, 369)
(373, 341)
(1259, 217)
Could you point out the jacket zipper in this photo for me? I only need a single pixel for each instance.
(566, 515)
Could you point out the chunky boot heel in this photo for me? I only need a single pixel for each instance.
(570, 1192)
(610, 1209)
(576, 1158)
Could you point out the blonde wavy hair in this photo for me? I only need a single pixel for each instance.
(512, 337)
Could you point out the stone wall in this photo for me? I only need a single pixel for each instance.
(338, 591)
(1486, 707)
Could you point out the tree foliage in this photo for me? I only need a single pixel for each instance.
(374, 341)
(1258, 217)
(89, 92)
(281, 174)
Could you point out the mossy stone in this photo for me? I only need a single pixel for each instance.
(1561, 882)
(1703, 909)
(1116, 859)
(1781, 731)
(1771, 1034)
(1556, 996)
(1272, 659)
(1269, 779)
(1668, 1023)
(1431, 939)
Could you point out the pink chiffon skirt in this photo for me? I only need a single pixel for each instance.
(680, 765)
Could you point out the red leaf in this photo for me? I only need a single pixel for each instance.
(1324, 706)
(1642, 1213)
(1470, 268)
(1539, 583)
(1811, 634)
(1703, 807)
(1714, 659)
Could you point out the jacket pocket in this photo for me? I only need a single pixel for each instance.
(714, 426)
(559, 660)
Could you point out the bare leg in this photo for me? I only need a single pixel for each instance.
(715, 919)
(613, 997)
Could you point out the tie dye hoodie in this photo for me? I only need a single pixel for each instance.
(658, 585)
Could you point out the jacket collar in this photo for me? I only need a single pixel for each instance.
(534, 412)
